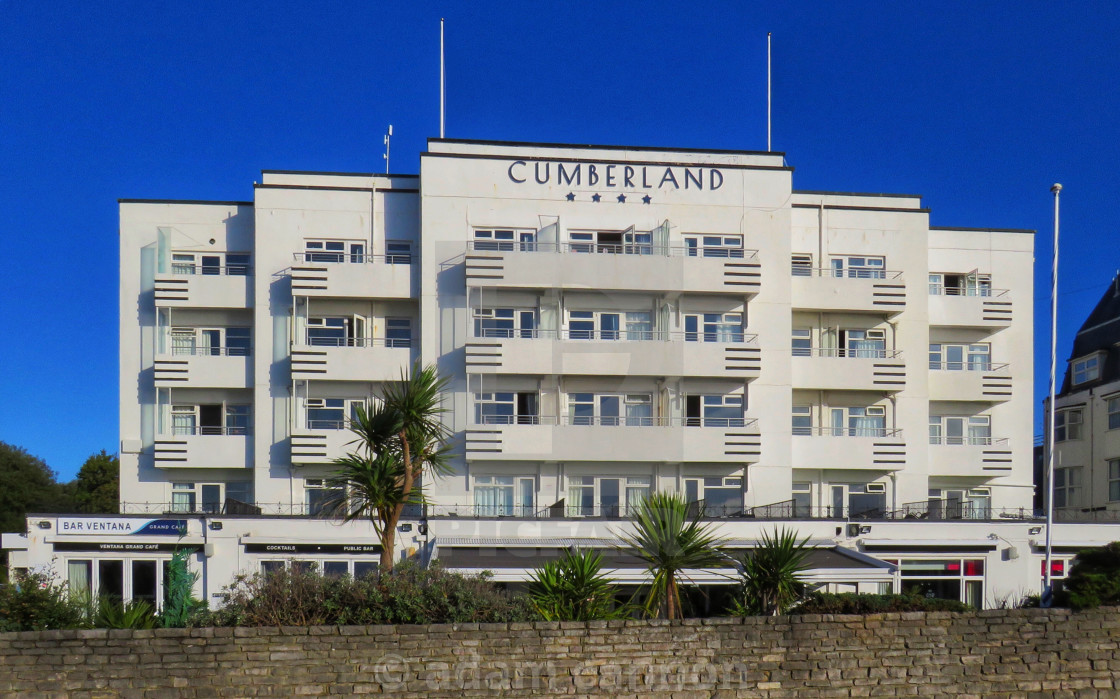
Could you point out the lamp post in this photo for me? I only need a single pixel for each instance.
(1047, 589)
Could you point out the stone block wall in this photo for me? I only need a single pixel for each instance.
(1010, 653)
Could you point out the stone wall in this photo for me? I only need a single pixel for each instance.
(1020, 653)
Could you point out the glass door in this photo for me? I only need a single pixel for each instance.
(609, 410)
(954, 430)
(954, 357)
(609, 496)
(212, 499)
(608, 326)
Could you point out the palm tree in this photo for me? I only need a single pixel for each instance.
(574, 588)
(670, 541)
(400, 438)
(771, 573)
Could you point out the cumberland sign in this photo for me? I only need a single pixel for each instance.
(615, 175)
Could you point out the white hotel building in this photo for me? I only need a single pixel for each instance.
(614, 321)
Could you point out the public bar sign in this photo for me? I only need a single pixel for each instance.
(120, 526)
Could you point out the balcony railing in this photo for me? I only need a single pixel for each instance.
(358, 341)
(189, 268)
(613, 249)
(967, 366)
(205, 430)
(618, 421)
(849, 273)
(349, 258)
(942, 290)
(847, 352)
(210, 351)
(562, 510)
(237, 508)
(967, 441)
(617, 335)
(847, 432)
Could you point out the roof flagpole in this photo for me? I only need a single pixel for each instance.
(441, 79)
(1047, 590)
(768, 92)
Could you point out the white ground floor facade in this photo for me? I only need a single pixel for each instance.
(983, 563)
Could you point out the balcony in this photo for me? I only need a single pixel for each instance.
(871, 291)
(849, 369)
(969, 456)
(960, 381)
(876, 449)
(205, 287)
(204, 447)
(562, 510)
(630, 267)
(589, 353)
(204, 367)
(352, 360)
(354, 276)
(983, 308)
(321, 443)
(611, 439)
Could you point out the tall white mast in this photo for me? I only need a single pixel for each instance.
(441, 79)
(768, 82)
(1047, 590)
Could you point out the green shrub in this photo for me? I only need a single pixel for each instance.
(180, 603)
(850, 603)
(410, 594)
(37, 602)
(111, 614)
(1094, 579)
(573, 588)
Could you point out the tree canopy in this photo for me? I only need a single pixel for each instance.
(27, 484)
(96, 490)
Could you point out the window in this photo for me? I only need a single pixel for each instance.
(210, 341)
(1112, 407)
(802, 420)
(714, 411)
(630, 242)
(802, 500)
(864, 344)
(858, 267)
(713, 245)
(858, 500)
(1085, 370)
(232, 263)
(209, 498)
(957, 430)
(960, 357)
(1067, 424)
(631, 409)
(801, 265)
(210, 419)
(334, 251)
(607, 325)
(959, 503)
(970, 284)
(713, 327)
(507, 408)
(398, 252)
(237, 264)
(858, 422)
(237, 419)
(330, 413)
(320, 495)
(182, 497)
(802, 342)
(1067, 486)
(1114, 480)
(398, 332)
(336, 331)
(715, 496)
(505, 322)
(505, 240)
(503, 496)
(591, 496)
(954, 578)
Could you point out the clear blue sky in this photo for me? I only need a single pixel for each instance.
(978, 107)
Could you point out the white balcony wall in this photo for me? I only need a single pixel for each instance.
(354, 280)
(203, 451)
(203, 371)
(849, 373)
(989, 312)
(377, 363)
(204, 290)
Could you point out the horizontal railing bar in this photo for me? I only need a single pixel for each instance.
(621, 421)
(965, 366)
(846, 353)
(308, 257)
(580, 248)
(848, 273)
(847, 431)
(617, 335)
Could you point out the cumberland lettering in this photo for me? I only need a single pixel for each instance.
(612, 175)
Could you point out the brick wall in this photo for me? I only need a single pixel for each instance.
(1020, 653)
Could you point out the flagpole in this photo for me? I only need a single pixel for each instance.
(441, 79)
(1047, 589)
(768, 92)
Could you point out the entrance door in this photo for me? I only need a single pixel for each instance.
(210, 419)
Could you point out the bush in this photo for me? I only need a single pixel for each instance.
(850, 603)
(573, 588)
(1094, 579)
(111, 614)
(410, 594)
(36, 602)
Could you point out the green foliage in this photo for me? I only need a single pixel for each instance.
(574, 588)
(180, 602)
(670, 542)
(111, 614)
(410, 594)
(27, 484)
(771, 575)
(851, 603)
(96, 490)
(36, 602)
(400, 439)
(1094, 579)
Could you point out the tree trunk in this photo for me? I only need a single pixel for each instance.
(389, 536)
(388, 539)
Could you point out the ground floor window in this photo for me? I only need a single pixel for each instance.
(960, 579)
(330, 567)
(119, 580)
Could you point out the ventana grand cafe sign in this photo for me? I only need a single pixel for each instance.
(609, 175)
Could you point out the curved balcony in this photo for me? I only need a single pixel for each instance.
(204, 367)
(969, 456)
(204, 447)
(848, 369)
(344, 275)
(989, 309)
(862, 448)
(614, 353)
(191, 286)
(961, 381)
(622, 267)
(377, 359)
(873, 291)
